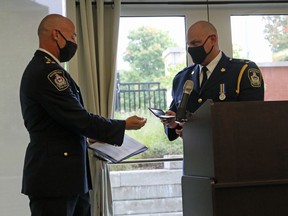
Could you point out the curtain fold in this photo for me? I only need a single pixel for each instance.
(97, 27)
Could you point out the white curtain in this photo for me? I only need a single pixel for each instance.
(94, 69)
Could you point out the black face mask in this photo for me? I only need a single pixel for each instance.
(198, 54)
(68, 51)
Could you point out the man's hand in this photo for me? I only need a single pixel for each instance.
(90, 141)
(171, 122)
(179, 129)
(135, 122)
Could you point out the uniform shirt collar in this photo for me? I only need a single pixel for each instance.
(43, 50)
(211, 66)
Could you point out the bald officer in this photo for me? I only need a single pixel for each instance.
(56, 173)
(215, 76)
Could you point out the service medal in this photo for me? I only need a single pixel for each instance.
(222, 92)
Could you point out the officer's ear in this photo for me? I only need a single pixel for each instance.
(55, 34)
(213, 37)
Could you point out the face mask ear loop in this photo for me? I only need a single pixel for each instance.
(62, 37)
(205, 40)
(211, 47)
(210, 50)
(58, 45)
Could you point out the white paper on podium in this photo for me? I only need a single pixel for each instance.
(115, 154)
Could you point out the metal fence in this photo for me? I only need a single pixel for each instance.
(139, 95)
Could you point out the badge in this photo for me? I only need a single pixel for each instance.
(58, 79)
(254, 77)
(222, 92)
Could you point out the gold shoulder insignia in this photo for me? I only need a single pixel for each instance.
(255, 77)
(58, 79)
(49, 61)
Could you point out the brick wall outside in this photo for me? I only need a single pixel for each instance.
(276, 82)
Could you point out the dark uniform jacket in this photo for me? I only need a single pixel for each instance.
(56, 162)
(231, 80)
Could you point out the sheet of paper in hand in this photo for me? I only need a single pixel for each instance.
(115, 154)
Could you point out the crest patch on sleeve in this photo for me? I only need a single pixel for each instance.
(58, 79)
(255, 77)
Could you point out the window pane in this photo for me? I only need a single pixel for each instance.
(263, 39)
(150, 52)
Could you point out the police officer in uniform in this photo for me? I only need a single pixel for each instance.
(56, 174)
(215, 76)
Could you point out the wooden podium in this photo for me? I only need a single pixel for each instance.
(236, 160)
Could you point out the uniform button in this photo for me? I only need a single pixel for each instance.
(200, 100)
(65, 154)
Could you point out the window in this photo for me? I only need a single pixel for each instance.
(151, 50)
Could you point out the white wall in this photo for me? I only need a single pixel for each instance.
(19, 20)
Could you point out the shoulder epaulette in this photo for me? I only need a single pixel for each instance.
(242, 61)
(49, 60)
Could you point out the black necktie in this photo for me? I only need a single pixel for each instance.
(204, 75)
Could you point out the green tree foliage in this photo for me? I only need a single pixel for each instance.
(276, 33)
(172, 70)
(144, 54)
(237, 51)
